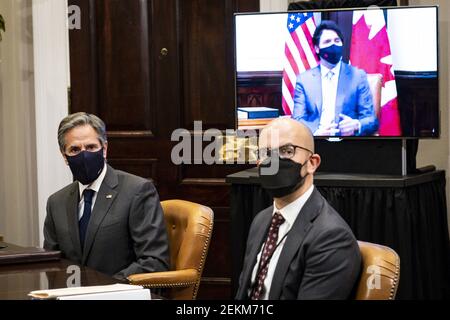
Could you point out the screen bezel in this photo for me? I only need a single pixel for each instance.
(340, 138)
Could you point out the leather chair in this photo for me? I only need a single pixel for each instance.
(380, 272)
(189, 226)
(376, 83)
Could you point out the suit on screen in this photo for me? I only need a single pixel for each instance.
(353, 98)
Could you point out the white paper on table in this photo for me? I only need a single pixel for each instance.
(139, 294)
(56, 293)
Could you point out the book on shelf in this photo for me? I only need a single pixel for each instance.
(257, 113)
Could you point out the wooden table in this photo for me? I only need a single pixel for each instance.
(17, 280)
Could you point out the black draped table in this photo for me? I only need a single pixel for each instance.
(406, 213)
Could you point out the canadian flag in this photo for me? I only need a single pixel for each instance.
(371, 51)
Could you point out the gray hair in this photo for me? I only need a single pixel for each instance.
(80, 119)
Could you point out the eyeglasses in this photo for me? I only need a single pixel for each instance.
(284, 152)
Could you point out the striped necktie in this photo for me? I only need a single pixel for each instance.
(269, 248)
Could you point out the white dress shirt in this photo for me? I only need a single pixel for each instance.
(93, 186)
(329, 93)
(289, 213)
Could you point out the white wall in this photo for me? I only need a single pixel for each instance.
(18, 186)
(51, 83)
(253, 51)
(413, 45)
(33, 99)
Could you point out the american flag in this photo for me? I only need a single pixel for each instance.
(299, 54)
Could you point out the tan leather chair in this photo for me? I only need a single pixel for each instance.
(189, 226)
(380, 273)
(376, 83)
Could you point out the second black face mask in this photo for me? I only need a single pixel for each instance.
(332, 54)
(285, 181)
(86, 166)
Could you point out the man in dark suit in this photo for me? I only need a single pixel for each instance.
(334, 98)
(107, 219)
(299, 248)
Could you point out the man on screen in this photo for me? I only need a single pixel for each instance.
(334, 99)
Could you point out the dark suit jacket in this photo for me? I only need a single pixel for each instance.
(320, 258)
(353, 98)
(126, 232)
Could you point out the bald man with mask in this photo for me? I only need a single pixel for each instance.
(299, 248)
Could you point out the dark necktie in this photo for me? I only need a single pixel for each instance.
(84, 221)
(269, 247)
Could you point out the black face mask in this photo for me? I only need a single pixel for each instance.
(86, 166)
(332, 54)
(286, 181)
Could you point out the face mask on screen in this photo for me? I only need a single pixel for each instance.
(86, 166)
(332, 54)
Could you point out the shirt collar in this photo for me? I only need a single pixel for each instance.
(291, 211)
(94, 185)
(324, 70)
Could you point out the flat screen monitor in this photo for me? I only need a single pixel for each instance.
(360, 73)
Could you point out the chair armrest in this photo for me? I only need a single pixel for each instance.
(165, 279)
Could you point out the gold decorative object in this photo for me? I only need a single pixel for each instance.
(239, 149)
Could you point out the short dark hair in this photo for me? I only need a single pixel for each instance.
(80, 119)
(326, 25)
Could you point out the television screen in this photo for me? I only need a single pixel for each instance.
(347, 73)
